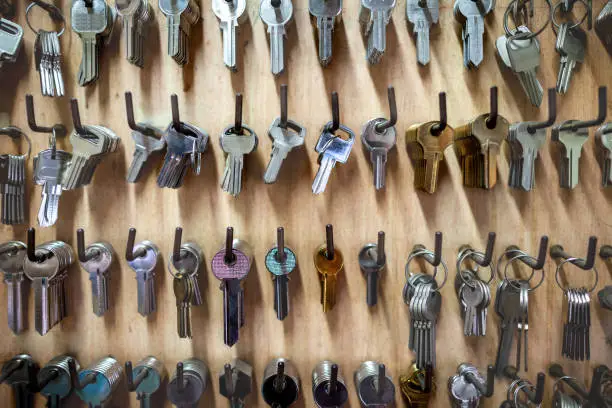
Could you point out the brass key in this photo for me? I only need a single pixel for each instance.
(329, 262)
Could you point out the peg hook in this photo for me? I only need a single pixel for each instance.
(601, 117)
(176, 249)
(77, 384)
(238, 114)
(485, 389)
(335, 112)
(384, 125)
(552, 113)
(488, 256)
(130, 253)
(438, 128)
(491, 121)
(229, 246)
(176, 117)
(329, 242)
(58, 129)
(85, 256)
(539, 262)
(129, 110)
(283, 106)
(557, 251)
(280, 246)
(134, 382)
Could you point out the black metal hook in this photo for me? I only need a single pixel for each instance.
(333, 380)
(539, 262)
(279, 380)
(381, 257)
(229, 246)
(229, 381)
(50, 375)
(280, 245)
(488, 256)
(601, 116)
(329, 242)
(176, 249)
(335, 112)
(129, 110)
(76, 117)
(491, 121)
(557, 251)
(134, 382)
(180, 377)
(58, 129)
(238, 114)
(130, 253)
(552, 113)
(176, 118)
(380, 375)
(605, 252)
(384, 125)
(13, 366)
(437, 258)
(85, 256)
(77, 384)
(31, 248)
(535, 397)
(275, 3)
(485, 389)
(283, 106)
(438, 128)
(428, 379)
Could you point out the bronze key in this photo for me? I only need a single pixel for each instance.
(429, 152)
(329, 263)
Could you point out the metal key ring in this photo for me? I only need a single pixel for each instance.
(511, 387)
(171, 267)
(572, 260)
(423, 252)
(565, 377)
(506, 254)
(13, 132)
(527, 36)
(460, 260)
(512, 281)
(584, 17)
(526, 384)
(54, 12)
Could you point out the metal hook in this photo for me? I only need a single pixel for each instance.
(381, 257)
(279, 380)
(386, 124)
(557, 251)
(539, 262)
(379, 379)
(485, 389)
(59, 129)
(130, 253)
(437, 128)
(333, 380)
(134, 383)
(229, 246)
(488, 256)
(77, 384)
(76, 117)
(85, 256)
(335, 112)
(129, 109)
(491, 121)
(229, 381)
(15, 365)
(552, 113)
(428, 379)
(535, 397)
(280, 245)
(238, 114)
(556, 371)
(176, 118)
(605, 252)
(176, 252)
(601, 117)
(437, 258)
(283, 106)
(31, 248)
(329, 241)
(180, 378)
(275, 3)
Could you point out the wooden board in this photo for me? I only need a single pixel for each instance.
(352, 332)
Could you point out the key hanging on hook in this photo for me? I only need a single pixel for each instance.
(557, 252)
(437, 258)
(485, 389)
(129, 110)
(335, 112)
(552, 113)
(31, 249)
(536, 264)
(493, 112)
(384, 125)
(488, 255)
(536, 396)
(134, 382)
(176, 250)
(176, 118)
(130, 253)
(77, 383)
(438, 128)
(238, 114)
(58, 129)
(85, 256)
(601, 117)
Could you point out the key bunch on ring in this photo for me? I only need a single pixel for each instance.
(474, 296)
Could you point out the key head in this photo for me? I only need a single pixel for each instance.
(173, 7)
(276, 16)
(238, 269)
(429, 13)
(372, 389)
(25, 374)
(98, 391)
(190, 394)
(12, 255)
(238, 143)
(380, 5)
(471, 296)
(463, 391)
(94, 20)
(528, 140)
(49, 168)
(183, 289)
(368, 259)
(229, 10)
(490, 139)
(371, 138)
(278, 268)
(328, 267)
(151, 383)
(48, 268)
(100, 263)
(523, 54)
(190, 259)
(325, 8)
(241, 378)
(568, 137)
(603, 136)
(280, 391)
(127, 8)
(148, 262)
(334, 145)
(464, 9)
(572, 43)
(291, 137)
(62, 384)
(149, 143)
(423, 136)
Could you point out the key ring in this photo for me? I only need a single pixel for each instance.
(571, 260)
(54, 12)
(556, 383)
(527, 36)
(460, 260)
(584, 17)
(14, 132)
(171, 267)
(511, 387)
(525, 384)
(505, 254)
(512, 282)
(423, 252)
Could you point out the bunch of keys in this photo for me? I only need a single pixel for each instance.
(12, 179)
(325, 15)
(142, 258)
(12, 255)
(96, 260)
(11, 37)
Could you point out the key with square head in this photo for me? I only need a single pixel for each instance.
(144, 146)
(188, 383)
(571, 46)
(145, 379)
(374, 386)
(374, 16)
(329, 262)
(286, 135)
(55, 379)
(524, 150)
(11, 37)
(20, 374)
(571, 148)
(472, 298)
(471, 14)
(142, 259)
(231, 13)
(603, 139)
(280, 262)
(281, 383)
(231, 265)
(332, 149)
(12, 254)
(328, 386)
(603, 26)
(96, 260)
(372, 261)
(422, 14)
(97, 383)
(325, 14)
(236, 382)
(276, 14)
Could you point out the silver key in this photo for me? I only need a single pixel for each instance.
(374, 386)
(281, 266)
(471, 14)
(571, 46)
(144, 263)
(422, 14)
(236, 143)
(374, 16)
(569, 161)
(12, 254)
(524, 148)
(11, 37)
(332, 149)
(144, 146)
(326, 14)
(231, 13)
(49, 169)
(378, 143)
(96, 260)
(181, 16)
(136, 15)
(372, 262)
(603, 138)
(276, 14)
(188, 383)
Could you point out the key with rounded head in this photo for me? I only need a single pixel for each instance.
(429, 153)
(188, 383)
(569, 162)
(96, 260)
(96, 384)
(136, 16)
(372, 261)
(187, 259)
(603, 139)
(235, 382)
(145, 379)
(181, 16)
(55, 379)
(374, 386)
(524, 151)
(325, 14)
(142, 258)
(281, 383)
(328, 386)
(276, 14)
(231, 265)
(374, 16)
(329, 262)
(471, 14)
(230, 13)
(20, 374)
(422, 14)
(571, 46)
(281, 261)
(12, 255)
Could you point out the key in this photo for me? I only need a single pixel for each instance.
(603, 28)
(98, 383)
(372, 261)
(326, 14)
(571, 148)
(188, 383)
(183, 291)
(603, 139)
(12, 255)
(231, 265)
(374, 386)
(47, 53)
(417, 386)
(471, 14)
(378, 143)
(142, 258)
(235, 382)
(136, 15)
(276, 14)
(96, 260)
(281, 383)
(286, 135)
(507, 303)
(145, 379)
(332, 149)
(329, 262)
(55, 379)
(571, 46)
(11, 37)
(49, 169)
(230, 13)
(524, 151)
(181, 16)
(472, 299)
(20, 374)
(144, 146)
(422, 14)
(186, 260)
(374, 16)
(328, 386)
(12, 179)
(280, 262)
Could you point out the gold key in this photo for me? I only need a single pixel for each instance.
(329, 262)
(417, 387)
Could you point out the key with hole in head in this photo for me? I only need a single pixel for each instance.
(281, 383)
(142, 259)
(332, 149)
(374, 386)
(471, 14)
(374, 16)
(181, 16)
(378, 143)
(12, 255)
(325, 14)
(329, 262)
(136, 16)
(372, 261)
(230, 13)
(281, 261)
(188, 383)
(231, 265)
(96, 260)
(524, 147)
(328, 386)
(98, 383)
(571, 148)
(55, 379)
(276, 14)
(235, 382)
(571, 46)
(422, 14)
